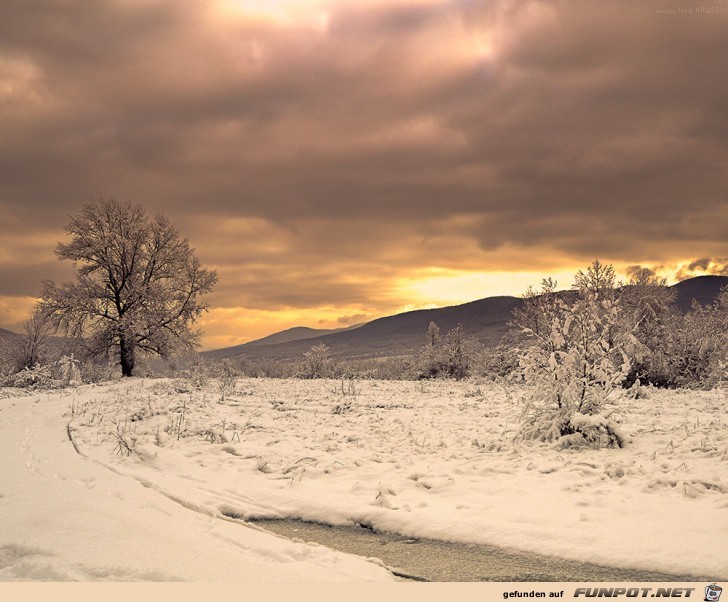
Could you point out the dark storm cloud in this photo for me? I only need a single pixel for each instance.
(25, 280)
(403, 135)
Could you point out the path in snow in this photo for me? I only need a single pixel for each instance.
(425, 460)
(430, 560)
(66, 518)
(429, 460)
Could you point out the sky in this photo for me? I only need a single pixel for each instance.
(338, 161)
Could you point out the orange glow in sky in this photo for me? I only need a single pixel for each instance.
(338, 161)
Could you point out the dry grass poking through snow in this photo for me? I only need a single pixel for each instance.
(434, 459)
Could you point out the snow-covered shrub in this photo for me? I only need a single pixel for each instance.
(591, 431)
(317, 362)
(450, 356)
(381, 368)
(196, 375)
(574, 360)
(96, 370)
(69, 370)
(268, 368)
(499, 362)
(36, 377)
(227, 377)
(698, 346)
(640, 391)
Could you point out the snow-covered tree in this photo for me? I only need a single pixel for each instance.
(29, 349)
(457, 353)
(649, 318)
(448, 356)
(433, 335)
(429, 363)
(697, 348)
(138, 284)
(599, 279)
(574, 359)
(70, 372)
(535, 316)
(317, 362)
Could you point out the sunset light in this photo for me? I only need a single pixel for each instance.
(315, 292)
(333, 159)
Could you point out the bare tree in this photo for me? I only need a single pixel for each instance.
(28, 350)
(138, 283)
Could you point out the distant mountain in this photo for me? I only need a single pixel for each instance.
(485, 320)
(9, 334)
(297, 333)
(703, 289)
(55, 345)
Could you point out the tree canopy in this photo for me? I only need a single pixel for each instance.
(138, 283)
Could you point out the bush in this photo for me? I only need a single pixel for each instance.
(37, 377)
(574, 362)
(197, 374)
(698, 346)
(450, 356)
(317, 362)
(501, 361)
(592, 431)
(69, 371)
(227, 377)
(571, 429)
(97, 370)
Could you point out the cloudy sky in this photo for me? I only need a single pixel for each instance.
(337, 161)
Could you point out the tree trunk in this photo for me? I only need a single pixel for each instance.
(127, 356)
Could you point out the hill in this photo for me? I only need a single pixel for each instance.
(8, 333)
(703, 289)
(297, 333)
(484, 319)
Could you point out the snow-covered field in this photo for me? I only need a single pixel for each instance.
(428, 459)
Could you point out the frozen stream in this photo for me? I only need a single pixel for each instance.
(430, 560)
(435, 464)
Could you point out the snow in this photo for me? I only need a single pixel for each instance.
(66, 518)
(430, 459)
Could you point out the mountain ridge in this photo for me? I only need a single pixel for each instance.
(484, 319)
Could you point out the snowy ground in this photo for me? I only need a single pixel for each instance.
(66, 518)
(429, 459)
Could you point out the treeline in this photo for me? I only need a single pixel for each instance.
(643, 330)
(632, 329)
